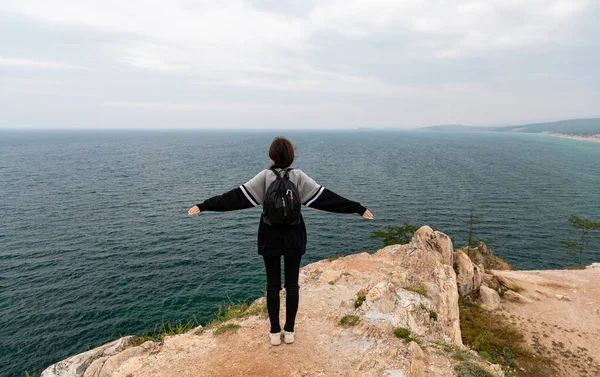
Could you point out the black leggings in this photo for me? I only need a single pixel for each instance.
(292, 270)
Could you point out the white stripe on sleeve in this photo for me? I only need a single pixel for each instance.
(316, 196)
(248, 196)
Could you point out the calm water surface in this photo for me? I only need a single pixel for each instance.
(95, 241)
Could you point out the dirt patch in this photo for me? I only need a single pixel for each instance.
(563, 321)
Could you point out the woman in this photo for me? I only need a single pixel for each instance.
(279, 240)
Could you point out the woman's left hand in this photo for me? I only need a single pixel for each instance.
(368, 215)
(194, 211)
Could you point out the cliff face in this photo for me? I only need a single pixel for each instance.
(360, 315)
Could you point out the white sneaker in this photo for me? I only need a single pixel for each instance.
(275, 338)
(288, 337)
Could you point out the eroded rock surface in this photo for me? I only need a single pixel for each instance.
(469, 275)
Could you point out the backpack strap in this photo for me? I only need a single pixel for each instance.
(276, 173)
(286, 171)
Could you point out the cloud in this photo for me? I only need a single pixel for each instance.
(455, 29)
(38, 64)
(218, 38)
(394, 61)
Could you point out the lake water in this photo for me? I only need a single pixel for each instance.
(95, 241)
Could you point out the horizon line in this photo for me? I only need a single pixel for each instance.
(360, 128)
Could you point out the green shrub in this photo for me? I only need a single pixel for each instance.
(396, 235)
(32, 374)
(433, 315)
(359, 300)
(349, 320)
(402, 333)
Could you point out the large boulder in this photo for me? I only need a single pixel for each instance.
(76, 366)
(483, 255)
(99, 362)
(490, 300)
(469, 275)
(432, 243)
(425, 263)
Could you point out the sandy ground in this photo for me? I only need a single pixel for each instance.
(563, 320)
(322, 347)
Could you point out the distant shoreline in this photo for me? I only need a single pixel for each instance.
(594, 138)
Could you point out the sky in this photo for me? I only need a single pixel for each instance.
(283, 64)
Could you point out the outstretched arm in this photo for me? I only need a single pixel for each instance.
(319, 197)
(229, 201)
(239, 198)
(327, 200)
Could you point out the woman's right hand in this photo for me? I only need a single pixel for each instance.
(368, 215)
(194, 211)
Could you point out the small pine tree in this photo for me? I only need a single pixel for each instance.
(585, 225)
(471, 241)
(396, 235)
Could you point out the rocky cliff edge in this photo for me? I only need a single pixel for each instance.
(394, 313)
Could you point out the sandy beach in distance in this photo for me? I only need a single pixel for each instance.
(594, 138)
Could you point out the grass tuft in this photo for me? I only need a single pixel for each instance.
(334, 257)
(163, 330)
(471, 370)
(32, 374)
(402, 333)
(517, 288)
(433, 315)
(418, 288)
(235, 310)
(349, 320)
(230, 327)
(225, 312)
(498, 341)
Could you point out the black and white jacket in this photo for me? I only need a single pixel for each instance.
(281, 240)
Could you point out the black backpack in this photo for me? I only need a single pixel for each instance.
(282, 201)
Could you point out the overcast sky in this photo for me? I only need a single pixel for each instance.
(296, 64)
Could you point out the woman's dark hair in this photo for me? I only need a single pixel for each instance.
(281, 152)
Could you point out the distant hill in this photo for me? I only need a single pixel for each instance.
(579, 127)
(582, 127)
